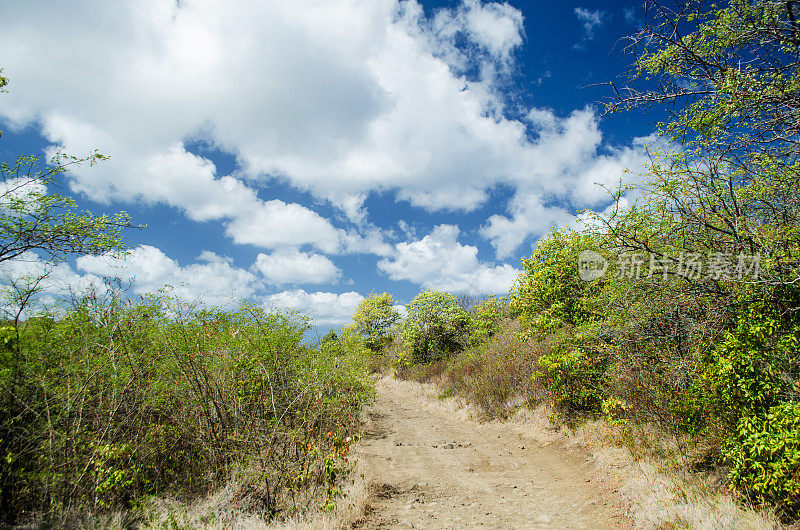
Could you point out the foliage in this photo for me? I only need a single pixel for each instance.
(486, 318)
(752, 370)
(549, 293)
(731, 75)
(34, 219)
(374, 318)
(113, 402)
(575, 377)
(435, 326)
(765, 457)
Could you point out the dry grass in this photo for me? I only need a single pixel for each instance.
(218, 511)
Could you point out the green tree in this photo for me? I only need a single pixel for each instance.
(374, 318)
(45, 225)
(727, 183)
(435, 326)
(33, 218)
(731, 78)
(549, 293)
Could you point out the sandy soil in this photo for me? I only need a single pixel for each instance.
(432, 468)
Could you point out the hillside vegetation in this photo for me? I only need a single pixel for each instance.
(112, 403)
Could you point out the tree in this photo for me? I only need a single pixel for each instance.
(549, 293)
(731, 79)
(435, 326)
(374, 318)
(35, 219)
(728, 183)
(44, 225)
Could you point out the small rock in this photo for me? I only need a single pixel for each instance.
(544, 519)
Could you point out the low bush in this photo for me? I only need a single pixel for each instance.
(499, 375)
(113, 402)
(764, 457)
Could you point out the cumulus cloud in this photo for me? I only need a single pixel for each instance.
(325, 308)
(212, 280)
(295, 267)
(590, 176)
(494, 27)
(439, 261)
(340, 99)
(529, 217)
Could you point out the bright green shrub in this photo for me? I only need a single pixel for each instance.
(750, 371)
(765, 458)
(435, 326)
(486, 319)
(549, 294)
(575, 377)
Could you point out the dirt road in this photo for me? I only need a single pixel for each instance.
(433, 468)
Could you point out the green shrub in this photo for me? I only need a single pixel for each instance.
(765, 458)
(752, 369)
(486, 319)
(112, 402)
(549, 294)
(575, 376)
(435, 326)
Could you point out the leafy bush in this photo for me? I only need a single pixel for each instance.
(575, 377)
(435, 326)
(765, 458)
(549, 293)
(486, 318)
(112, 402)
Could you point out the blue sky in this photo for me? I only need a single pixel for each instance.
(304, 154)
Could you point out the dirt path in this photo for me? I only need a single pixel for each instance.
(432, 469)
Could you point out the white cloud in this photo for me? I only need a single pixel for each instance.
(52, 281)
(439, 261)
(295, 267)
(529, 217)
(590, 176)
(338, 98)
(498, 28)
(590, 19)
(213, 280)
(326, 309)
(275, 223)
